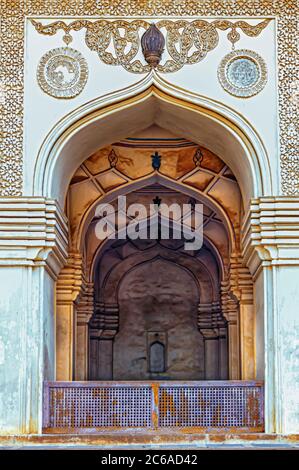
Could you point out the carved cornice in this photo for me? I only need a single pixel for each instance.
(270, 233)
(33, 232)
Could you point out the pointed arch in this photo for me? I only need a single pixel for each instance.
(153, 100)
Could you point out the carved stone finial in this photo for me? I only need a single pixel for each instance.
(156, 161)
(153, 44)
(157, 201)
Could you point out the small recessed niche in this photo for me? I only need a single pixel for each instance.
(157, 352)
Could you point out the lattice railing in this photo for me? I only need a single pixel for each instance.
(74, 407)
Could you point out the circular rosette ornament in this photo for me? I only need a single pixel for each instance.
(62, 73)
(243, 73)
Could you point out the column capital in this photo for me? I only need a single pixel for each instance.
(71, 279)
(106, 320)
(85, 304)
(210, 317)
(33, 232)
(239, 282)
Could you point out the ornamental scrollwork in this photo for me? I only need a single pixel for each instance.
(187, 42)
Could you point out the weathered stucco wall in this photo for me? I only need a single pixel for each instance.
(158, 297)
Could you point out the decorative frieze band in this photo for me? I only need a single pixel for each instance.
(187, 42)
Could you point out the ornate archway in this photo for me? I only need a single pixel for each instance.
(108, 176)
(209, 182)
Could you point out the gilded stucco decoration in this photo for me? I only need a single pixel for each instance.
(187, 42)
(13, 13)
(62, 72)
(243, 73)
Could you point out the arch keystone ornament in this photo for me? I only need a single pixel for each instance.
(153, 44)
(243, 73)
(62, 73)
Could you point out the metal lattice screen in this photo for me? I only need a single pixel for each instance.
(210, 407)
(92, 407)
(82, 406)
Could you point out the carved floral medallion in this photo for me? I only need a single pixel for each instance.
(243, 73)
(62, 73)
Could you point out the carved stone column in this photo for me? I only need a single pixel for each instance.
(85, 309)
(230, 309)
(68, 288)
(241, 286)
(103, 327)
(212, 326)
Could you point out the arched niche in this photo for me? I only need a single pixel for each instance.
(164, 290)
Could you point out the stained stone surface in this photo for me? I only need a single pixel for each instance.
(158, 296)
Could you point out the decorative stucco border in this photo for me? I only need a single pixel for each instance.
(13, 13)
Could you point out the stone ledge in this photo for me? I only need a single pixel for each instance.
(171, 440)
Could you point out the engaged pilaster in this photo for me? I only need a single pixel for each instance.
(33, 237)
(271, 251)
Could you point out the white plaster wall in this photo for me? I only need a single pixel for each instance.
(26, 346)
(11, 345)
(42, 111)
(287, 283)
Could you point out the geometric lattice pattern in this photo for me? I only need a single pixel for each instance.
(210, 407)
(74, 407)
(93, 407)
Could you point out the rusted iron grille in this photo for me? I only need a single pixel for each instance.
(90, 407)
(211, 407)
(75, 407)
